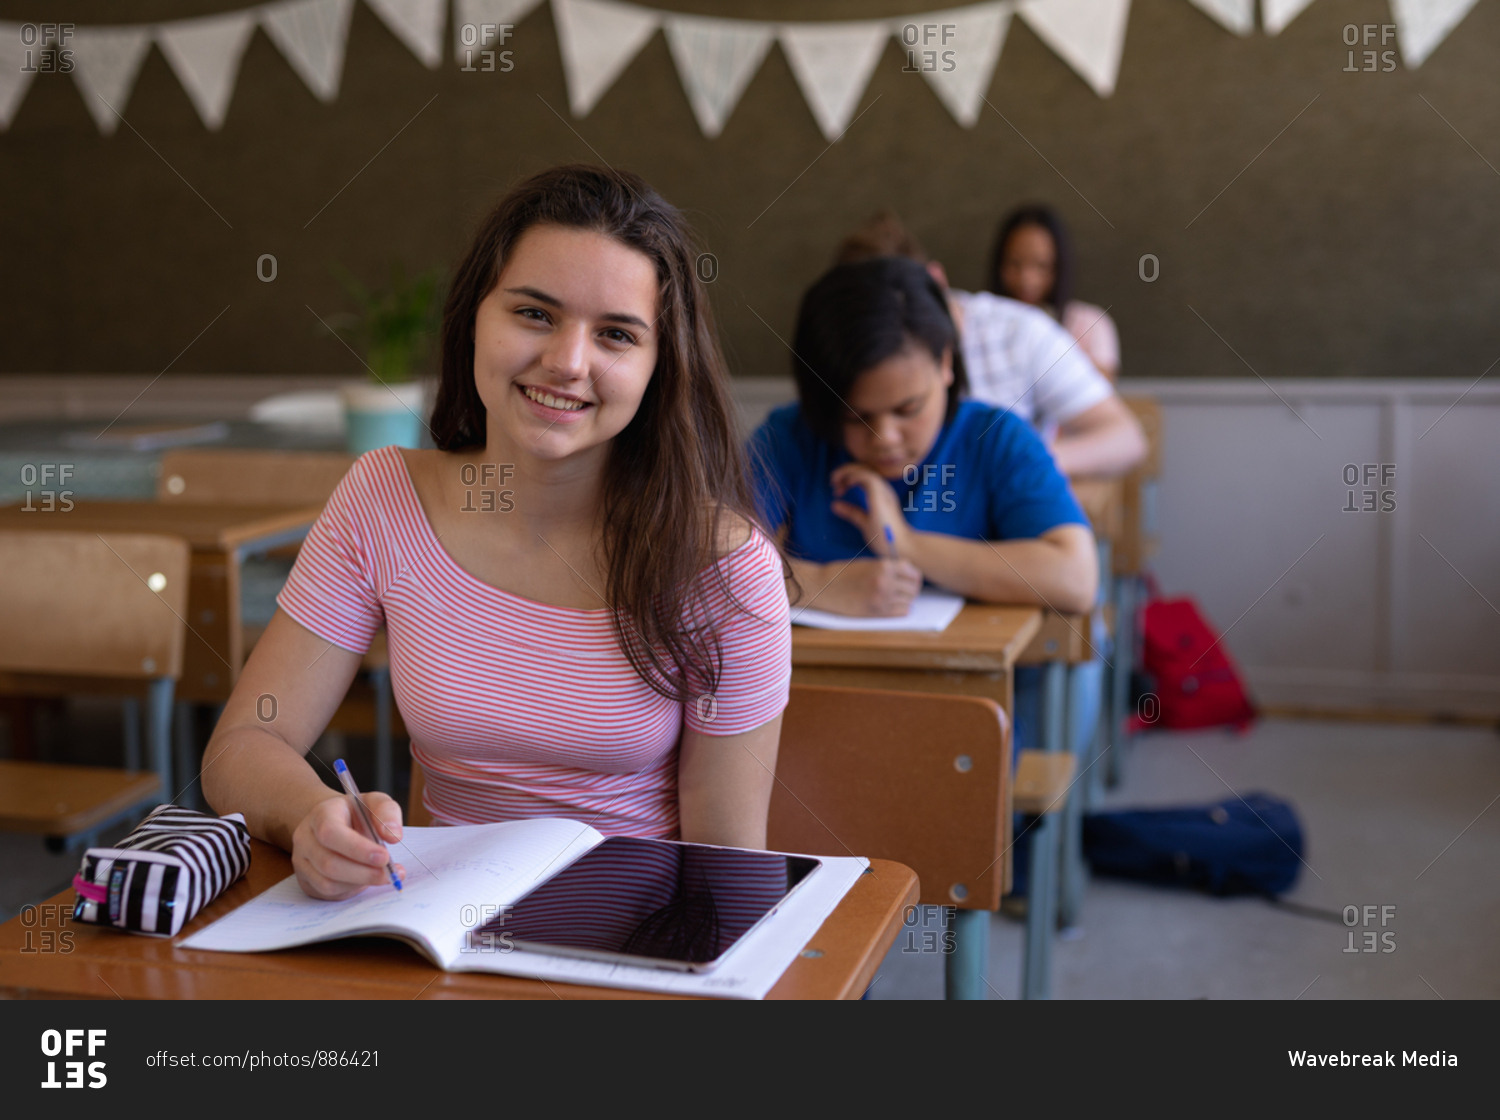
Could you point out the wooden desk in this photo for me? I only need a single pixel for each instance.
(974, 656)
(220, 538)
(106, 963)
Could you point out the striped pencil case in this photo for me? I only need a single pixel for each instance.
(173, 865)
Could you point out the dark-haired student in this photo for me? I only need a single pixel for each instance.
(1019, 358)
(881, 439)
(551, 657)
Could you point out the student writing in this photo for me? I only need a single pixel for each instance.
(880, 439)
(602, 637)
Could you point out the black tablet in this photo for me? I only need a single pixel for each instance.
(657, 903)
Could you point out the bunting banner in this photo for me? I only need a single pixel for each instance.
(1089, 35)
(418, 24)
(598, 39)
(1236, 15)
(312, 34)
(1276, 14)
(205, 55)
(832, 63)
(1421, 25)
(716, 58)
(105, 63)
(956, 50)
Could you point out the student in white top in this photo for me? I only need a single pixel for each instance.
(1021, 360)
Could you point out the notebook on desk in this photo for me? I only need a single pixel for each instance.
(930, 610)
(460, 880)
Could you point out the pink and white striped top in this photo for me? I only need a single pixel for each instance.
(516, 708)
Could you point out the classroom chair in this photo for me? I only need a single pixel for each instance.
(256, 476)
(926, 779)
(100, 613)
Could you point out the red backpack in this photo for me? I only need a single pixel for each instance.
(1195, 681)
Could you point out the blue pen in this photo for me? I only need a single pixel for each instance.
(347, 780)
(890, 539)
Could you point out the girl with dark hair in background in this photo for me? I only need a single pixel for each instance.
(881, 476)
(584, 619)
(1032, 261)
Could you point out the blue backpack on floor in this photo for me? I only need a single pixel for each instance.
(1249, 845)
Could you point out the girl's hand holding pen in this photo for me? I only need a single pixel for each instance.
(883, 587)
(333, 856)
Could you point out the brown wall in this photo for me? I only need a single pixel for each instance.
(1359, 243)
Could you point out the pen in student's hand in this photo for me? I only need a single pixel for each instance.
(890, 539)
(347, 779)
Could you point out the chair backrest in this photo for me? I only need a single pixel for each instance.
(251, 477)
(92, 604)
(919, 778)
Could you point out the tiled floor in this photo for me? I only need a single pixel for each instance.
(1401, 816)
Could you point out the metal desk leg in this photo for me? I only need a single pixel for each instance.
(1124, 660)
(131, 716)
(967, 963)
(380, 681)
(159, 733)
(1041, 909)
(1084, 683)
(187, 766)
(1054, 706)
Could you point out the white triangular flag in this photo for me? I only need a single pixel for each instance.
(205, 55)
(598, 39)
(477, 24)
(1422, 25)
(14, 77)
(418, 24)
(1276, 14)
(956, 52)
(1089, 35)
(311, 35)
(716, 58)
(1237, 15)
(106, 61)
(832, 63)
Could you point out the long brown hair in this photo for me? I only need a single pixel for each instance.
(675, 476)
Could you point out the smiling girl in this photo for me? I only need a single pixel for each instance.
(583, 619)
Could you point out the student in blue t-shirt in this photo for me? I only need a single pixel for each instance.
(880, 439)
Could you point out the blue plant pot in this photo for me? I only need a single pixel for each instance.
(380, 416)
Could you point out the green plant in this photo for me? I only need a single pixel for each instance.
(393, 327)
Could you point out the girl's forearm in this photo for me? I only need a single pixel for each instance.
(251, 771)
(1020, 571)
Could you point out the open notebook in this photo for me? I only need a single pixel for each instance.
(457, 878)
(930, 610)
